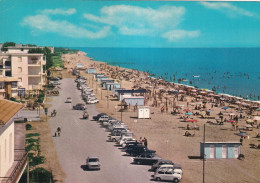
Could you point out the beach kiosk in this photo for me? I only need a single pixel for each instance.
(98, 74)
(220, 150)
(134, 100)
(79, 66)
(91, 70)
(128, 93)
(99, 78)
(115, 93)
(143, 112)
(110, 86)
(104, 81)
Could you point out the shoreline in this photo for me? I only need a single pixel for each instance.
(176, 83)
(164, 131)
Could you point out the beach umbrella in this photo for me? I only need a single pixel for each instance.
(258, 109)
(242, 134)
(188, 113)
(256, 118)
(244, 104)
(231, 114)
(194, 91)
(231, 121)
(192, 120)
(238, 102)
(225, 108)
(249, 121)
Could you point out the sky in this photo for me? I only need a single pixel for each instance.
(84, 23)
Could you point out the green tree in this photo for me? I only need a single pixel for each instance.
(6, 44)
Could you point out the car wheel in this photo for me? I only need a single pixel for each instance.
(175, 180)
(158, 178)
(113, 140)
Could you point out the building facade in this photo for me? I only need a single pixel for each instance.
(23, 70)
(10, 159)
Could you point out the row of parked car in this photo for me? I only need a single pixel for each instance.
(86, 92)
(123, 137)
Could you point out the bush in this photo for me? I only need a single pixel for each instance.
(38, 175)
(28, 127)
(32, 135)
(36, 160)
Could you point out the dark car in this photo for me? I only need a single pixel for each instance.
(137, 150)
(96, 118)
(79, 107)
(146, 159)
(156, 165)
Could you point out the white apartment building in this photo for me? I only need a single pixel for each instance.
(20, 69)
(10, 159)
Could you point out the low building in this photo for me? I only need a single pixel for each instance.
(98, 74)
(99, 78)
(115, 93)
(104, 81)
(111, 86)
(13, 158)
(220, 150)
(91, 70)
(127, 93)
(134, 101)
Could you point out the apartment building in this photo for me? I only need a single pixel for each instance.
(13, 158)
(20, 69)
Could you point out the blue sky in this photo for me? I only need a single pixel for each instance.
(82, 23)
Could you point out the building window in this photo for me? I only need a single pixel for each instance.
(8, 73)
(20, 69)
(14, 84)
(1, 72)
(2, 85)
(7, 63)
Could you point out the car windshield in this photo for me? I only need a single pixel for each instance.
(93, 160)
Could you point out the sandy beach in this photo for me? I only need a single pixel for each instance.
(165, 131)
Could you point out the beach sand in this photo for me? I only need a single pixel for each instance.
(165, 132)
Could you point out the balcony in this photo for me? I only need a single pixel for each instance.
(18, 167)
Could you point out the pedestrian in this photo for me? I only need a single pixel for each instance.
(140, 140)
(145, 142)
(241, 141)
(59, 131)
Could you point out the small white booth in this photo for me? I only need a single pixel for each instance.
(143, 112)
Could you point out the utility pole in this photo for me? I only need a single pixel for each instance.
(107, 102)
(204, 153)
(121, 109)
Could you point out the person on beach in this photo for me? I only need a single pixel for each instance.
(141, 140)
(145, 142)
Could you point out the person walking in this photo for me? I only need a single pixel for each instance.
(140, 140)
(145, 142)
(59, 131)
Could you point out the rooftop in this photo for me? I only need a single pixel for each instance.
(8, 109)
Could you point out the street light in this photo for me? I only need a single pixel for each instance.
(107, 102)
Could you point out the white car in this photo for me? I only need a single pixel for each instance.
(68, 100)
(126, 140)
(168, 175)
(93, 163)
(92, 101)
(165, 167)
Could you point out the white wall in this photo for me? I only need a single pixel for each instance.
(6, 149)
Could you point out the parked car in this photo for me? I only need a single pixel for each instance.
(126, 141)
(146, 159)
(54, 81)
(103, 118)
(92, 101)
(68, 100)
(79, 106)
(137, 150)
(168, 175)
(96, 118)
(176, 169)
(93, 163)
(164, 162)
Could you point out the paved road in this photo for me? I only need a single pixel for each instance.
(80, 138)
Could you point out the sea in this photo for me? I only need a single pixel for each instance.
(234, 71)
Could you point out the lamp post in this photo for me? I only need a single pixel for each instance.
(107, 102)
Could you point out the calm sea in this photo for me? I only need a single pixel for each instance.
(234, 71)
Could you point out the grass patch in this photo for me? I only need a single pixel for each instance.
(57, 61)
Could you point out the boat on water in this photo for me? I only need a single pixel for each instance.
(196, 76)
